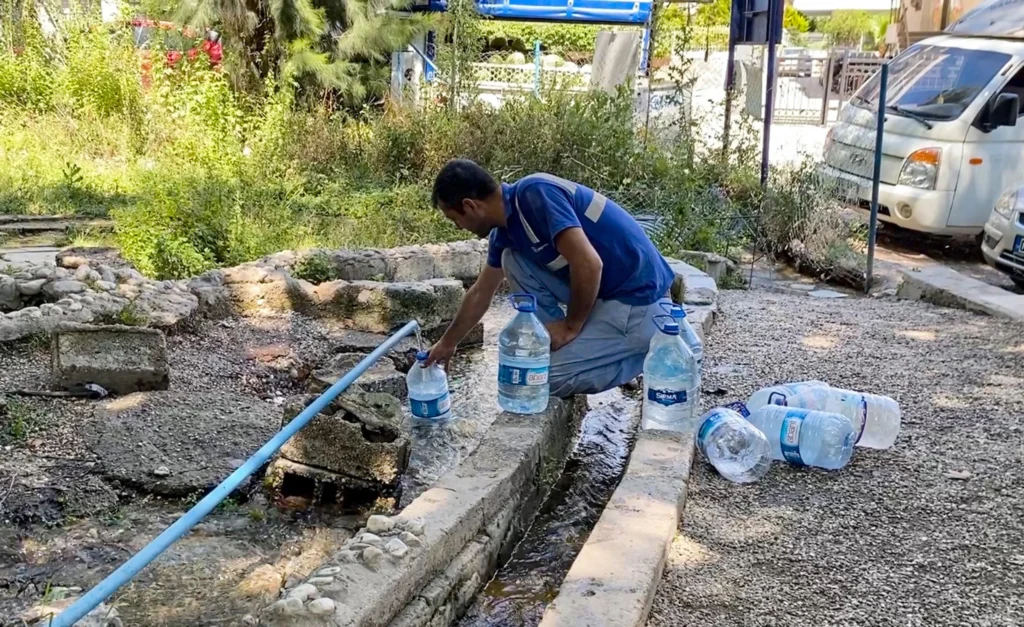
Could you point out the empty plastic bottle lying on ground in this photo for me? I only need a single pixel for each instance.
(735, 447)
(876, 419)
(805, 437)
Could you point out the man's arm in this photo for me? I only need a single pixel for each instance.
(474, 305)
(585, 268)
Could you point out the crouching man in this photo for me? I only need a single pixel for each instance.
(568, 246)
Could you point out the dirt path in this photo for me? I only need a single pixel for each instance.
(930, 532)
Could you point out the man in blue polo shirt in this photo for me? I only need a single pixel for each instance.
(567, 245)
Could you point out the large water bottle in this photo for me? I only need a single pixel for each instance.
(876, 419)
(779, 394)
(687, 332)
(428, 390)
(524, 355)
(805, 437)
(671, 380)
(735, 447)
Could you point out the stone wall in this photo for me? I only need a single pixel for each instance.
(370, 290)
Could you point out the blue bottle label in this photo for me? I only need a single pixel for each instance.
(511, 375)
(790, 436)
(714, 418)
(740, 408)
(667, 398)
(431, 408)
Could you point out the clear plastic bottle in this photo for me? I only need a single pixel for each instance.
(687, 332)
(524, 356)
(428, 390)
(805, 437)
(735, 447)
(876, 419)
(671, 381)
(778, 394)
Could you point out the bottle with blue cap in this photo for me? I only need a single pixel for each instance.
(687, 332)
(735, 447)
(806, 437)
(428, 390)
(671, 380)
(524, 356)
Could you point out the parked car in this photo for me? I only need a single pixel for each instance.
(1003, 242)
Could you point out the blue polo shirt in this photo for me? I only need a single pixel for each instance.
(540, 206)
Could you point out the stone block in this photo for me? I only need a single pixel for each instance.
(10, 297)
(119, 358)
(409, 263)
(359, 435)
(458, 260)
(382, 377)
(382, 307)
(271, 298)
(359, 265)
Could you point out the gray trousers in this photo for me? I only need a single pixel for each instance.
(610, 349)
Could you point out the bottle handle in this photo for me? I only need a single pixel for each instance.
(667, 308)
(661, 327)
(516, 298)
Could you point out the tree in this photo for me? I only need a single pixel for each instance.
(343, 46)
(714, 14)
(847, 27)
(794, 21)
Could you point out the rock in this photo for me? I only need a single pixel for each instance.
(161, 471)
(166, 309)
(63, 288)
(199, 437)
(408, 263)
(304, 592)
(410, 539)
(96, 256)
(378, 524)
(413, 525)
(370, 539)
(358, 265)
(372, 556)
(348, 556)
(396, 547)
(107, 274)
(382, 376)
(31, 288)
(250, 621)
(119, 358)
(960, 475)
(246, 273)
(330, 571)
(320, 581)
(82, 273)
(321, 607)
(10, 297)
(359, 435)
(288, 606)
(102, 616)
(105, 286)
(44, 272)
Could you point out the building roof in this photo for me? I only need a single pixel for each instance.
(824, 7)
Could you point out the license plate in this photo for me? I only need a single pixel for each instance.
(1018, 244)
(847, 191)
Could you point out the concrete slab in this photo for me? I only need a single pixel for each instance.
(614, 578)
(944, 286)
(121, 359)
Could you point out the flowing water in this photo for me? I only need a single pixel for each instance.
(522, 588)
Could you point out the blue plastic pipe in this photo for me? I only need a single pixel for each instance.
(158, 545)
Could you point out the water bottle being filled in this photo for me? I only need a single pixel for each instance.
(428, 390)
(735, 447)
(524, 355)
(805, 437)
(687, 332)
(876, 419)
(671, 380)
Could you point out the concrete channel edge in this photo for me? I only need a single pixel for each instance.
(943, 286)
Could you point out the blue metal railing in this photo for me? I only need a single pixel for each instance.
(158, 545)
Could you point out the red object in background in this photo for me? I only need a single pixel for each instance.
(210, 46)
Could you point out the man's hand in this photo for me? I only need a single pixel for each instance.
(441, 353)
(561, 334)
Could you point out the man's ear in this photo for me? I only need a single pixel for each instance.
(468, 206)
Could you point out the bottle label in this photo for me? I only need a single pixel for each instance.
(790, 436)
(431, 408)
(667, 398)
(511, 375)
(715, 418)
(740, 408)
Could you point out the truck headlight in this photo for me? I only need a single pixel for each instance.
(921, 168)
(1006, 204)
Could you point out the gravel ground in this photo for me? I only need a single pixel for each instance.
(930, 532)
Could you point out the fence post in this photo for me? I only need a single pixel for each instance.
(877, 174)
(829, 66)
(536, 68)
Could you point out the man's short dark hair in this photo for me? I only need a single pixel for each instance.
(458, 180)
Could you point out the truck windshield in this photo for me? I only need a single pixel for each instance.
(933, 82)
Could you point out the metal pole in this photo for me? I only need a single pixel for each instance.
(536, 68)
(877, 174)
(774, 22)
(158, 545)
(735, 15)
(828, 89)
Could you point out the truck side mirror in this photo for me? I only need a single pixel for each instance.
(1004, 111)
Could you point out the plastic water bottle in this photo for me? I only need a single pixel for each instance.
(735, 447)
(805, 437)
(524, 355)
(671, 381)
(687, 332)
(779, 394)
(876, 419)
(428, 390)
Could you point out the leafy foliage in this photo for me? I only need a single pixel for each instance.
(846, 28)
